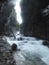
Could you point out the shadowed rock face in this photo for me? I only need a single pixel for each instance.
(35, 18)
(5, 10)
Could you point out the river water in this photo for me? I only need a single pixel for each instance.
(30, 48)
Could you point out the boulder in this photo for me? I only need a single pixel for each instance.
(14, 47)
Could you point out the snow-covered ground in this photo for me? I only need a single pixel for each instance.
(30, 48)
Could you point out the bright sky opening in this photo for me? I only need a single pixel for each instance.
(18, 11)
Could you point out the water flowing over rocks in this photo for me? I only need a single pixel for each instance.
(31, 52)
(21, 60)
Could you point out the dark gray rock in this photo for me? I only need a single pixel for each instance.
(35, 21)
(20, 39)
(46, 43)
(14, 47)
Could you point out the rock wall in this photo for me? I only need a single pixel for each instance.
(5, 10)
(35, 14)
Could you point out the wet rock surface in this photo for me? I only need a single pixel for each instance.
(35, 14)
(14, 47)
(6, 57)
(46, 43)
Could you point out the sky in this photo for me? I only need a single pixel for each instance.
(18, 11)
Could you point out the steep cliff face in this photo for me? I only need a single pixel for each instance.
(35, 14)
(5, 10)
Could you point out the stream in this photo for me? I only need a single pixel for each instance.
(30, 48)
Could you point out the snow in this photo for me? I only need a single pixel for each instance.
(30, 48)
